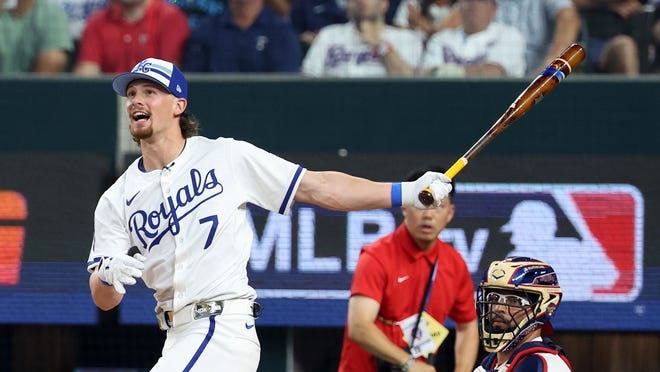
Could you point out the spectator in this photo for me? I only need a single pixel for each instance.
(281, 7)
(77, 12)
(248, 37)
(426, 16)
(310, 16)
(516, 300)
(34, 37)
(198, 10)
(480, 47)
(655, 39)
(365, 46)
(549, 27)
(611, 47)
(400, 276)
(128, 31)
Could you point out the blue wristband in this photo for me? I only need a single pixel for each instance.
(396, 194)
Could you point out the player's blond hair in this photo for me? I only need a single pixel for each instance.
(189, 125)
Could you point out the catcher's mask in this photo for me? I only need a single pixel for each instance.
(516, 296)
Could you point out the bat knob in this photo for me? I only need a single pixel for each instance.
(133, 251)
(426, 198)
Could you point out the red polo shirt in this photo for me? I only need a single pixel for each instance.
(394, 272)
(117, 45)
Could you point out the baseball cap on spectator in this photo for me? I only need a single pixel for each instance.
(159, 71)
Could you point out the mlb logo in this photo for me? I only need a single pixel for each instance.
(592, 235)
(13, 213)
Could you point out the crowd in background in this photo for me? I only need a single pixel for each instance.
(333, 38)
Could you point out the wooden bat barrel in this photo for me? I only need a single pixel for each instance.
(569, 59)
(547, 80)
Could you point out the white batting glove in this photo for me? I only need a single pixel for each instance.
(438, 183)
(120, 270)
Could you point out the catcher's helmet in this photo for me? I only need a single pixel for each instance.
(516, 296)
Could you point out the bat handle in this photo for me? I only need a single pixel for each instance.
(456, 167)
(133, 251)
(426, 196)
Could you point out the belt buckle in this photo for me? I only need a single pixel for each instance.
(206, 309)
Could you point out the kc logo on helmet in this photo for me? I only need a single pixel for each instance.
(592, 235)
(143, 66)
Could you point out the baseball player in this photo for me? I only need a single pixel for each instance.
(516, 299)
(183, 205)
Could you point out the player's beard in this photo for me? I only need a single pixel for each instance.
(142, 133)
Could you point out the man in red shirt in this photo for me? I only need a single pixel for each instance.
(395, 277)
(126, 32)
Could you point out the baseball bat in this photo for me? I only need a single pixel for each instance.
(133, 251)
(551, 76)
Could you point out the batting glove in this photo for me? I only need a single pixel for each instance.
(121, 270)
(437, 183)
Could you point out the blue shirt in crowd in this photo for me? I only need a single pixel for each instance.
(198, 10)
(268, 45)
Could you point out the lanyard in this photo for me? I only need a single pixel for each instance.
(427, 294)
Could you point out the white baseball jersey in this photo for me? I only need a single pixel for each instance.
(536, 20)
(498, 44)
(338, 51)
(543, 361)
(189, 218)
